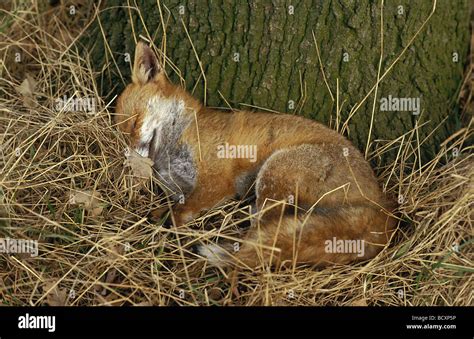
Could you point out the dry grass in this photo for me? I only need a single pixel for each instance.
(115, 256)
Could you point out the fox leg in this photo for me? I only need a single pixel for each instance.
(205, 196)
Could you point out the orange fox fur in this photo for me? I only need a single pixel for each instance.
(314, 170)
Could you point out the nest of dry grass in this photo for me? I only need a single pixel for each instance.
(63, 183)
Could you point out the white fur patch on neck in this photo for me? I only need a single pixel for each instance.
(163, 115)
(164, 123)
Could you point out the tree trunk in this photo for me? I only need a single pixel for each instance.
(263, 54)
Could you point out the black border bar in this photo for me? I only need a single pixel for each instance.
(193, 322)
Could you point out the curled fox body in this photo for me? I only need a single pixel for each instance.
(313, 188)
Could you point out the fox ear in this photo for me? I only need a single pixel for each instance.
(145, 66)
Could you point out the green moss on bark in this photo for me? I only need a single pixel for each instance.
(275, 48)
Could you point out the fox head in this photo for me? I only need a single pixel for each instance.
(149, 99)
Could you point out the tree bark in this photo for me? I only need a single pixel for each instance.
(277, 62)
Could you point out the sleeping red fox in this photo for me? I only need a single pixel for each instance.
(317, 199)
